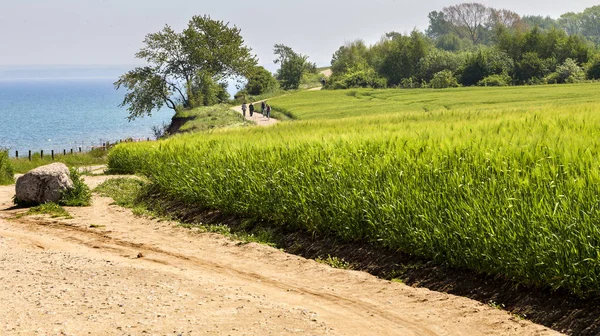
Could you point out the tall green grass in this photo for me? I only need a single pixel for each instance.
(498, 183)
(6, 169)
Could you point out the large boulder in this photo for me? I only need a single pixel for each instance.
(44, 184)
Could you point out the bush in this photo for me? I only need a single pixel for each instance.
(6, 170)
(568, 72)
(495, 80)
(357, 76)
(80, 195)
(532, 68)
(260, 81)
(438, 60)
(443, 79)
(592, 68)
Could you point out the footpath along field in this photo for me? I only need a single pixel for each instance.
(504, 181)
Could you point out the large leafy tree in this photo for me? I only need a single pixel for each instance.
(292, 66)
(185, 69)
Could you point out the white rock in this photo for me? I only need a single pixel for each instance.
(44, 184)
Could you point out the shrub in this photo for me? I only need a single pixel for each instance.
(80, 195)
(359, 75)
(443, 79)
(568, 72)
(6, 170)
(532, 68)
(593, 68)
(438, 60)
(260, 81)
(495, 80)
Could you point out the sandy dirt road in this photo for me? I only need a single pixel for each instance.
(258, 118)
(107, 272)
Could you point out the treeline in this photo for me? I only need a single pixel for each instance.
(471, 44)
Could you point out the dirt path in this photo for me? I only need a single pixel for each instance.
(107, 272)
(258, 118)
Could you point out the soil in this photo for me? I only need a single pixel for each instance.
(258, 118)
(107, 272)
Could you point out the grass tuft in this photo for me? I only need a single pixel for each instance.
(52, 209)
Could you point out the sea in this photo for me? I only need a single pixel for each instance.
(67, 113)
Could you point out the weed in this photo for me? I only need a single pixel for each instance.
(52, 209)
(334, 262)
(79, 195)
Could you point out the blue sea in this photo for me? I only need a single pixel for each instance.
(46, 114)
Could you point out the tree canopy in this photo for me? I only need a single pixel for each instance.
(292, 66)
(185, 69)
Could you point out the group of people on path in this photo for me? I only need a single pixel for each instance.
(265, 108)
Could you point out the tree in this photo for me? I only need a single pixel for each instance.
(260, 81)
(469, 20)
(397, 57)
(185, 69)
(541, 22)
(438, 25)
(348, 55)
(292, 66)
(571, 23)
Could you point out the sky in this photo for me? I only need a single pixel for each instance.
(109, 32)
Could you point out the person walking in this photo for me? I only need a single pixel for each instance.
(268, 112)
(251, 109)
(263, 107)
(244, 108)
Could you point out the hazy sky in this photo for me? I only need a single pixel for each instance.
(77, 32)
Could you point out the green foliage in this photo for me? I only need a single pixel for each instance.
(91, 158)
(6, 169)
(348, 56)
(185, 69)
(358, 75)
(439, 60)
(532, 68)
(334, 262)
(292, 66)
(485, 62)
(592, 69)
(79, 195)
(124, 191)
(495, 80)
(504, 181)
(207, 91)
(52, 209)
(260, 81)
(397, 57)
(568, 72)
(443, 79)
(209, 118)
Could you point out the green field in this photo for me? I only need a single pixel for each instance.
(505, 181)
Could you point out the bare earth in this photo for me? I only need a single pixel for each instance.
(107, 272)
(258, 118)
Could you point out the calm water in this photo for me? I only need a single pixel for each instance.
(66, 113)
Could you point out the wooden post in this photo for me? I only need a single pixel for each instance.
(42, 154)
(17, 154)
(52, 154)
(30, 155)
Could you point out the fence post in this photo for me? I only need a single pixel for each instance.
(17, 154)
(52, 154)
(30, 155)
(42, 153)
